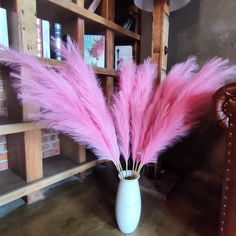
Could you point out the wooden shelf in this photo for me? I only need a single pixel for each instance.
(8, 126)
(105, 71)
(55, 169)
(97, 70)
(62, 9)
(56, 63)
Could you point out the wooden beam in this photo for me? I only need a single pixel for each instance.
(97, 70)
(68, 147)
(108, 12)
(137, 30)
(24, 155)
(157, 26)
(17, 128)
(109, 86)
(24, 149)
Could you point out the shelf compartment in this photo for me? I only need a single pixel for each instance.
(8, 126)
(55, 169)
(55, 10)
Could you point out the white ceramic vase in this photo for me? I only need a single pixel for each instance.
(128, 203)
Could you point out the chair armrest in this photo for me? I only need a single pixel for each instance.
(223, 104)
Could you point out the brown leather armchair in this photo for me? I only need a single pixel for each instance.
(225, 113)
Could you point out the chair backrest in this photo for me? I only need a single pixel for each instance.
(225, 115)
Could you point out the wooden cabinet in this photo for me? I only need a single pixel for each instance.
(28, 171)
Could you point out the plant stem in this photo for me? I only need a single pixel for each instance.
(136, 168)
(117, 167)
(121, 167)
(135, 164)
(139, 169)
(121, 170)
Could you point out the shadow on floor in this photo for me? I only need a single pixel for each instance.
(88, 209)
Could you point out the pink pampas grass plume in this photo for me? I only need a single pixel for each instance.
(121, 107)
(141, 94)
(70, 98)
(173, 112)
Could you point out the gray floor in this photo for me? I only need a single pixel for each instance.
(87, 208)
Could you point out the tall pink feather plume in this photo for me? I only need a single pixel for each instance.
(157, 111)
(85, 83)
(210, 78)
(142, 92)
(179, 102)
(71, 100)
(121, 107)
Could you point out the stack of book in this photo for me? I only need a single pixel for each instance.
(4, 39)
(46, 31)
(43, 38)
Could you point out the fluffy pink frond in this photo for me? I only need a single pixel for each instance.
(70, 99)
(204, 84)
(85, 83)
(121, 107)
(179, 103)
(169, 89)
(142, 92)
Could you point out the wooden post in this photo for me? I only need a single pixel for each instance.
(160, 30)
(108, 12)
(68, 147)
(24, 149)
(137, 30)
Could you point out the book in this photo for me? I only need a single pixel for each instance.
(46, 38)
(94, 5)
(66, 38)
(4, 40)
(130, 19)
(56, 33)
(123, 53)
(94, 50)
(39, 37)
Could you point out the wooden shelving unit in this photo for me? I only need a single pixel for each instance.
(55, 169)
(28, 173)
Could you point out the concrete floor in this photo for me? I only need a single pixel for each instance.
(87, 209)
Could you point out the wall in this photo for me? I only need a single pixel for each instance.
(205, 28)
(146, 35)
